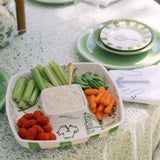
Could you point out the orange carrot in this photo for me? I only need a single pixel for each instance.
(108, 99)
(109, 108)
(99, 115)
(99, 96)
(93, 103)
(91, 91)
(94, 110)
(102, 88)
(102, 100)
(101, 107)
(89, 100)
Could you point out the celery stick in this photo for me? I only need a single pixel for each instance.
(49, 73)
(22, 104)
(34, 96)
(29, 89)
(60, 70)
(57, 73)
(48, 84)
(43, 74)
(38, 78)
(55, 76)
(19, 89)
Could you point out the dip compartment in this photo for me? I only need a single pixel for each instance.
(63, 99)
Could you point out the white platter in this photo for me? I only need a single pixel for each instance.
(70, 129)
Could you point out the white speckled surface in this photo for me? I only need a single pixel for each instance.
(51, 34)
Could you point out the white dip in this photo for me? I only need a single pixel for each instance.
(63, 99)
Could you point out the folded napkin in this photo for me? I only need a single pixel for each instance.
(103, 3)
(138, 85)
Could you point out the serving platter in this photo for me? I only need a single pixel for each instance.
(55, 1)
(73, 127)
(91, 52)
(4, 78)
(126, 35)
(96, 36)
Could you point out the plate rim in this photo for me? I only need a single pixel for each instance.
(126, 20)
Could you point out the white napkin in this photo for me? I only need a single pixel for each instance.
(103, 3)
(138, 85)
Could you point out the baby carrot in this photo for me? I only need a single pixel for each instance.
(93, 103)
(99, 115)
(99, 96)
(109, 108)
(102, 88)
(108, 99)
(101, 107)
(89, 100)
(94, 110)
(91, 91)
(102, 100)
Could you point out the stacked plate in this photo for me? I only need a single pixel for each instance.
(55, 1)
(120, 44)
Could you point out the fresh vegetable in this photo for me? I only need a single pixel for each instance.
(91, 91)
(34, 96)
(22, 132)
(109, 108)
(59, 71)
(35, 126)
(88, 80)
(29, 90)
(19, 89)
(31, 134)
(100, 101)
(38, 78)
(37, 114)
(51, 76)
(25, 93)
(22, 104)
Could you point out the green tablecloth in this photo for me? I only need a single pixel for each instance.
(51, 34)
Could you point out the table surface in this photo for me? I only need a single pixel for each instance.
(51, 34)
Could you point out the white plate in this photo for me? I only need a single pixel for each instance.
(126, 35)
(82, 125)
(55, 1)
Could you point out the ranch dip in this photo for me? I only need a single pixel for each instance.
(62, 99)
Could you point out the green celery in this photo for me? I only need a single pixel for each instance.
(34, 96)
(57, 73)
(22, 104)
(50, 75)
(48, 84)
(29, 89)
(43, 74)
(19, 89)
(61, 71)
(38, 78)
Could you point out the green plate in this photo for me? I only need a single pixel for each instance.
(55, 1)
(96, 36)
(126, 35)
(90, 51)
(4, 78)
